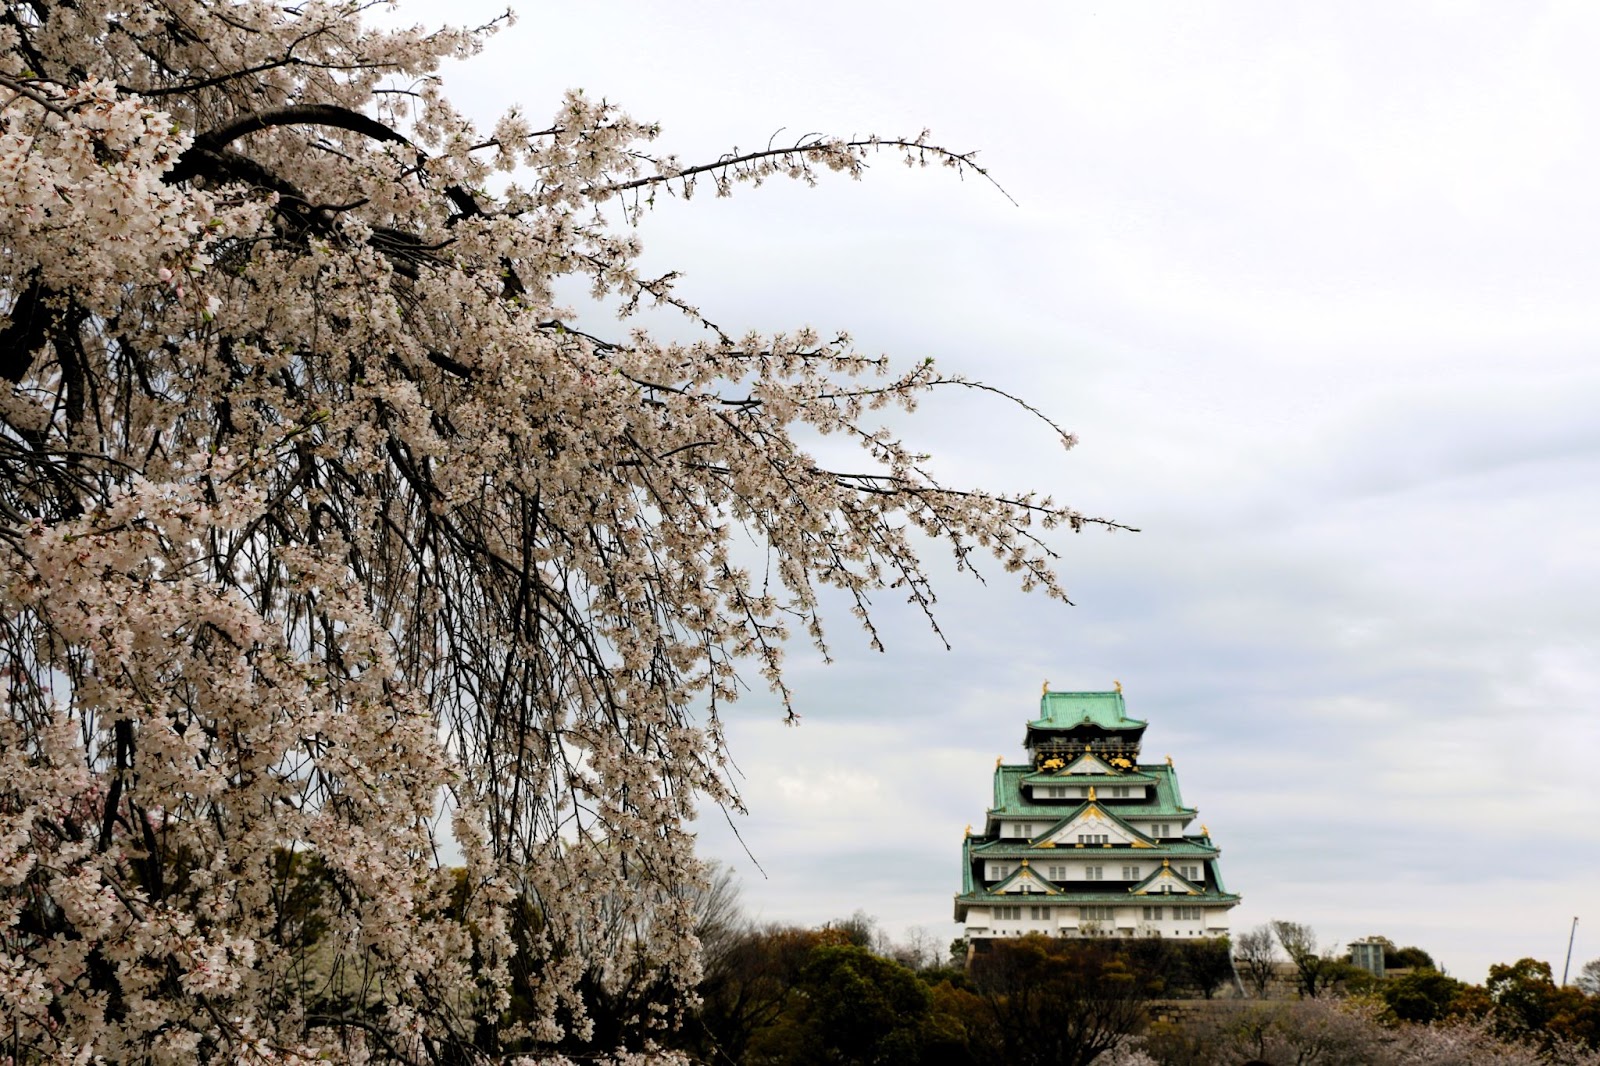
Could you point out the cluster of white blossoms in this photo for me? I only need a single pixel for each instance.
(322, 528)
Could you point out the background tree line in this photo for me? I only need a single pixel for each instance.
(845, 993)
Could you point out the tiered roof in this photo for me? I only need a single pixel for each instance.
(1086, 739)
(1010, 801)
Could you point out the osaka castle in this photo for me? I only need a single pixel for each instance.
(1085, 840)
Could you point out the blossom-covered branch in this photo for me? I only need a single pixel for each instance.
(366, 615)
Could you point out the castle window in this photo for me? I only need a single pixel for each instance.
(1039, 914)
(1130, 873)
(1094, 873)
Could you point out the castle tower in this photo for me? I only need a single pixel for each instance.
(1085, 840)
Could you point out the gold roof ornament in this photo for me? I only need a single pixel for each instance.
(1205, 830)
(969, 829)
(1169, 760)
(1166, 864)
(1119, 687)
(998, 759)
(1092, 796)
(1044, 690)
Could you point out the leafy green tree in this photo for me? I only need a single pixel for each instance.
(960, 1025)
(852, 1008)
(1523, 994)
(1206, 964)
(1528, 1004)
(1059, 1002)
(1424, 995)
(1408, 958)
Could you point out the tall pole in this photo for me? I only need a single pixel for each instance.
(1568, 964)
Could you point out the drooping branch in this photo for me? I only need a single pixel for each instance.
(845, 155)
(318, 507)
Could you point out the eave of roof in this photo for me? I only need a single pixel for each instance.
(1112, 898)
(1188, 848)
(1009, 799)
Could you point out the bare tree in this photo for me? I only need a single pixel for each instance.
(1317, 971)
(919, 951)
(1256, 955)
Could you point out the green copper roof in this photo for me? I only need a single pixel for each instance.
(1056, 777)
(1079, 899)
(1011, 801)
(1165, 871)
(1186, 848)
(1063, 710)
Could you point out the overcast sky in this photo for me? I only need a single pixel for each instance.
(1315, 287)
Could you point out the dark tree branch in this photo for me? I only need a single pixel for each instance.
(212, 142)
(26, 333)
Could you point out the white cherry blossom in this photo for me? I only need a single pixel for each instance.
(323, 527)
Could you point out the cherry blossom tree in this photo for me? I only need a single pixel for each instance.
(364, 612)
